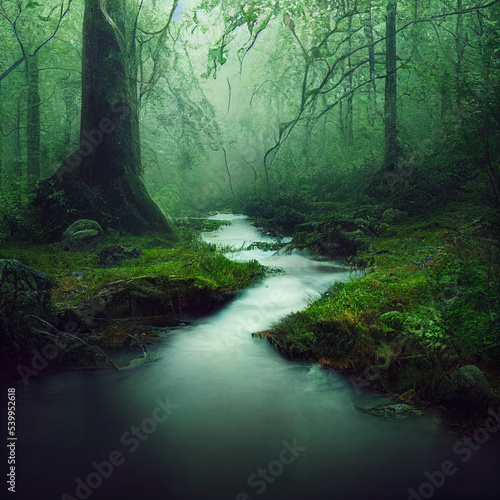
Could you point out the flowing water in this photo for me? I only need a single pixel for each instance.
(220, 415)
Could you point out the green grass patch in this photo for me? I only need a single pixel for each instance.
(77, 275)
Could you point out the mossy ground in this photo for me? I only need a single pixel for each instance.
(172, 279)
(77, 275)
(428, 303)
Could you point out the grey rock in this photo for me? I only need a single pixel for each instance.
(16, 275)
(388, 408)
(83, 225)
(24, 291)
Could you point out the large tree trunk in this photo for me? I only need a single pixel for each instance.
(392, 147)
(33, 118)
(109, 158)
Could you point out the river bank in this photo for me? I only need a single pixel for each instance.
(113, 292)
(420, 325)
(401, 327)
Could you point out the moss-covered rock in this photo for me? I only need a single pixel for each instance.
(81, 233)
(465, 387)
(82, 225)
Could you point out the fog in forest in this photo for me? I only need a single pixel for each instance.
(250, 248)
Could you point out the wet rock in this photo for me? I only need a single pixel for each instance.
(81, 233)
(290, 250)
(115, 254)
(285, 250)
(388, 408)
(273, 271)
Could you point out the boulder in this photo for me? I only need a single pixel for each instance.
(15, 275)
(465, 387)
(393, 216)
(115, 254)
(80, 233)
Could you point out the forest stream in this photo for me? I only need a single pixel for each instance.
(217, 414)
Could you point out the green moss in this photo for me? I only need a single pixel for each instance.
(78, 276)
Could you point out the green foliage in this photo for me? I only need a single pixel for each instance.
(392, 321)
(14, 215)
(471, 311)
(427, 327)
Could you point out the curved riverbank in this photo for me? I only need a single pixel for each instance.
(108, 294)
(411, 326)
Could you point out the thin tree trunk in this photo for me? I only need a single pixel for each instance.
(459, 53)
(371, 52)
(350, 107)
(33, 118)
(18, 161)
(392, 148)
(69, 116)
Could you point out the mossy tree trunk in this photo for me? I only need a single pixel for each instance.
(109, 156)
